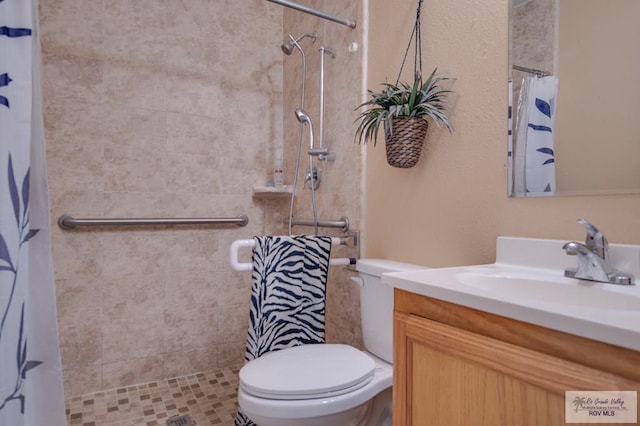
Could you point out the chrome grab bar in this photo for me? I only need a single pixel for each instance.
(342, 223)
(68, 222)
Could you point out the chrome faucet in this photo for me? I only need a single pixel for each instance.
(593, 259)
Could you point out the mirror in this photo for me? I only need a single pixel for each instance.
(587, 132)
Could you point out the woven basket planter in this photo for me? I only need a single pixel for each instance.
(404, 144)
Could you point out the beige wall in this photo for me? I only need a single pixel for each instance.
(450, 208)
(156, 109)
(597, 124)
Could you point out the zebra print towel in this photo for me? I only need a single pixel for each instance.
(287, 295)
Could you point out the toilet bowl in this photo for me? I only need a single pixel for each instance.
(330, 384)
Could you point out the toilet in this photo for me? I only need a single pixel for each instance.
(330, 384)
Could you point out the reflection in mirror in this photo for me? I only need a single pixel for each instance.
(578, 130)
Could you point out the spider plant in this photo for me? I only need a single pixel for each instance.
(422, 99)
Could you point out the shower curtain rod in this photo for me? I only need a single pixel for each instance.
(338, 19)
(539, 73)
(68, 222)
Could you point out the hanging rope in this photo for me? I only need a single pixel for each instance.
(417, 56)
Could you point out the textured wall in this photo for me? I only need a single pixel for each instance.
(450, 208)
(157, 108)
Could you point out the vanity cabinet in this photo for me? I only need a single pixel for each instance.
(457, 366)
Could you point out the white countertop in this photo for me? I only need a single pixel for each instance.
(531, 287)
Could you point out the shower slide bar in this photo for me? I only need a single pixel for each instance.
(68, 222)
(244, 267)
(315, 12)
(342, 223)
(537, 72)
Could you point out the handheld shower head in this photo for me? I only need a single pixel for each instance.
(287, 48)
(302, 116)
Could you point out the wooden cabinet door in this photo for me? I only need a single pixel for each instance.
(445, 376)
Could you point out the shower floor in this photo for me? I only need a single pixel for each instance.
(209, 398)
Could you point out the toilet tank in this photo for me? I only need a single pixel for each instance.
(376, 304)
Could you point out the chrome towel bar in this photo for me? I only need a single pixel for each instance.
(68, 222)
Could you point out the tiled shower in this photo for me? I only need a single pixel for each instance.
(159, 108)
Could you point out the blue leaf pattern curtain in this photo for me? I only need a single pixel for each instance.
(534, 161)
(31, 392)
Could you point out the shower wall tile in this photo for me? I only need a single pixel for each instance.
(193, 173)
(138, 370)
(134, 296)
(134, 19)
(77, 121)
(132, 253)
(81, 344)
(140, 86)
(132, 131)
(233, 321)
(70, 78)
(230, 354)
(84, 38)
(131, 338)
(81, 380)
(192, 290)
(135, 34)
(143, 204)
(192, 134)
(181, 363)
(134, 171)
(197, 331)
(235, 287)
(191, 251)
(76, 256)
(75, 296)
(196, 94)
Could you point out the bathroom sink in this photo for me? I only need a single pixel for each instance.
(544, 287)
(527, 283)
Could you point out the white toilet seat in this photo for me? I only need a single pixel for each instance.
(306, 372)
(320, 406)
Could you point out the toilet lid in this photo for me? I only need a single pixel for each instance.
(307, 371)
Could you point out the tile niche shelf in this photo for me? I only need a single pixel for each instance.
(272, 193)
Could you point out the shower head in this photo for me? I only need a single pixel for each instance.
(287, 48)
(302, 116)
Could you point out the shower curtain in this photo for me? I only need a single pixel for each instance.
(31, 392)
(534, 172)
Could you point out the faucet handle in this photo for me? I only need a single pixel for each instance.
(595, 240)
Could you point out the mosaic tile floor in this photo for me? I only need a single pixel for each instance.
(208, 398)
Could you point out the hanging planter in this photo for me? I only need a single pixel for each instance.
(404, 143)
(404, 110)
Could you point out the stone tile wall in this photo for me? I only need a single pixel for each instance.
(157, 108)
